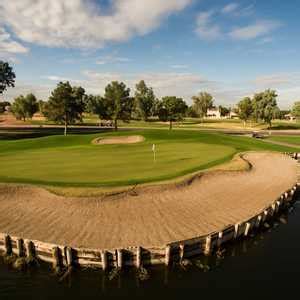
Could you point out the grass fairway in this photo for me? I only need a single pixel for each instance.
(295, 140)
(75, 161)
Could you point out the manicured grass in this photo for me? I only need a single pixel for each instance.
(75, 161)
(295, 140)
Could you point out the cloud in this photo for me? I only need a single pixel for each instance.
(229, 8)
(252, 31)
(277, 80)
(237, 10)
(181, 84)
(9, 47)
(179, 66)
(110, 59)
(205, 28)
(84, 23)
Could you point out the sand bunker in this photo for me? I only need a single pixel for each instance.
(150, 216)
(132, 139)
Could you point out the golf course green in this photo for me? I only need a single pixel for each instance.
(75, 161)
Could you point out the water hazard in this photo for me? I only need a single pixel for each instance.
(270, 259)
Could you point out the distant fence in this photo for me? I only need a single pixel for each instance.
(64, 256)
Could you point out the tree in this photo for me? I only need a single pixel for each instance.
(7, 76)
(81, 99)
(190, 112)
(202, 102)
(296, 110)
(269, 108)
(224, 111)
(145, 100)
(3, 105)
(31, 105)
(119, 103)
(173, 109)
(63, 106)
(19, 108)
(25, 107)
(99, 106)
(245, 109)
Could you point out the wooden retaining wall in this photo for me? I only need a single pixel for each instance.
(64, 256)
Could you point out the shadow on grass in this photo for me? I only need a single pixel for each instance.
(26, 133)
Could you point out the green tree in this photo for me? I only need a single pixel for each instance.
(119, 103)
(269, 108)
(145, 100)
(7, 76)
(172, 109)
(18, 108)
(3, 104)
(224, 111)
(296, 110)
(25, 107)
(190, 112)
(245, 109)
(257, 106)
(99, 106)
(202, 102)
(63, 106)
(32, 105)
(81, 99)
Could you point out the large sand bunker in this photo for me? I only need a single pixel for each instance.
(150, 216)
(132, 139)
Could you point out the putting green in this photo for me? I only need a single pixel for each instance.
(75, 161)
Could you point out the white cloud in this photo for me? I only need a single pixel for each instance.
(277, 80)
(9, 47)
(205, 27)
(181, 84)
(84, 23)
(179, 66)
(257, 29)
(229, 8)
(111, 59)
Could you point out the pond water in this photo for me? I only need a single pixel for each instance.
(270, 260)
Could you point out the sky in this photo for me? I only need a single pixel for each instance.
(230, 49)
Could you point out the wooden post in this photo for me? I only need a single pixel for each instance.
(119, 258)
(168, 255)
(278, 203)
(207, 249)
(138, 257)
(286, 196)
(236, 230)
(29, 246)
(20, 247)
(56, 257)
(258, 221)
(220, 238)
(181, 252)
(265, 215)
(104, 260)
(69, 256)
(7, 245)
(273, 206)
(247, 229)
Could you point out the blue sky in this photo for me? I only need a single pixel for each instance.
(231, 49)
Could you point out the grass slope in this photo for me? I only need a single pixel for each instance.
(75, 161)
(286, 139)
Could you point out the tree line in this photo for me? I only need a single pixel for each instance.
(262, 107)
(67, 104)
